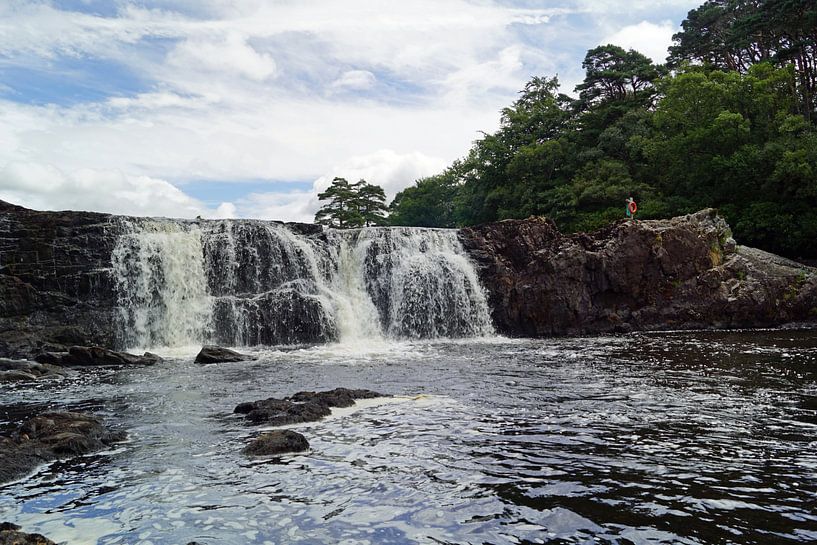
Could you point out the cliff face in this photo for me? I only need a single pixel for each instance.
(58, 287)
(682, 273)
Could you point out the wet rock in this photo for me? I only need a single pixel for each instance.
(92, 356)
(301, 407)
(339, 397)
(11, 534)
(22, 370)
(276, 442)
(681, 273)
(52, 436)
(217, 354)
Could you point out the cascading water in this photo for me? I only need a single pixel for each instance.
(161, 285)
(261, 283)
(421, 282)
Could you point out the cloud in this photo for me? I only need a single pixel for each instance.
(355, 79)
(46, 187)
(390, 170)
(648, 38)
(228, 55)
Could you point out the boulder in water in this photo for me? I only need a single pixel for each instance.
(52, 436)
(23, 371)
(11, 534)
(277, 442)
(301, 407)
(217, 354)
(92, 356)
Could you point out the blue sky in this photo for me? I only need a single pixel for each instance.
(247, 108)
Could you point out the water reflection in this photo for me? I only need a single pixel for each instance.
(660, 438)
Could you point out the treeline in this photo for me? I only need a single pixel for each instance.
(728, 122)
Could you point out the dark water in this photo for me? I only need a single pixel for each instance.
(662, 438)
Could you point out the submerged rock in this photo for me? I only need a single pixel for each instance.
(301, 407)
(92, 356)
(11, 534)
(52, 436)
(217, 354)
(276, 442)
(22, 370)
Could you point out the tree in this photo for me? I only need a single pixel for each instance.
(352, 205)
(428, 203)
(615, 74)
(370, 201)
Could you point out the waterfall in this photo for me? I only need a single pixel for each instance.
(246, 282)
(161, 285)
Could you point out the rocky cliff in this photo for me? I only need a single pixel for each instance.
(682, 273)
(58, 287)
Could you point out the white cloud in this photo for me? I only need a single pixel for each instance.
(228, 55)
(651, 39)
(390, 170)
(46, 187)
(355, 79)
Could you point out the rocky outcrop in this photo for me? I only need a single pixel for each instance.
(276, 442)
(56, 289)
(301, 407)
(682, 273)
(217, 354)
(52, 436)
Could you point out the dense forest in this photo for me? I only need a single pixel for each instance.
(728, 122)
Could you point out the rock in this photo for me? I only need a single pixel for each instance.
(16, 376)
(52, 436)
(10, 534)
(217, 354)
(98, 356)
(301, 407)
(339, 397)
(22, 370)
(682, 273)
(276, 442)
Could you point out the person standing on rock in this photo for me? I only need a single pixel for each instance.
(631, 208)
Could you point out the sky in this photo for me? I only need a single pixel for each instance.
(249, 108)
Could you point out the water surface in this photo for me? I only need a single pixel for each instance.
(658, 438)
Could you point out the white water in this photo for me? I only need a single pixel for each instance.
(162, 288)
(246, 283)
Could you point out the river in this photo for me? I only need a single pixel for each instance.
(645, 438)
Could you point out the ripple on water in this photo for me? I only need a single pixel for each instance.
(661, 438)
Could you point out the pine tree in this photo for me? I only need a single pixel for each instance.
(352, 205)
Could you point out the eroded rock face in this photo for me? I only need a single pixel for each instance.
(56, 287)
(217, 354)
(301, 407)
(51, 436)
(276, 442)
(682, 273)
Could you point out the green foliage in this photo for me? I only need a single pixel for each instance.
(352, 205)
(734, 35)
(429, 203)
(731, 128)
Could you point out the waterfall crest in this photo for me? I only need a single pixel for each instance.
(246, 282)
